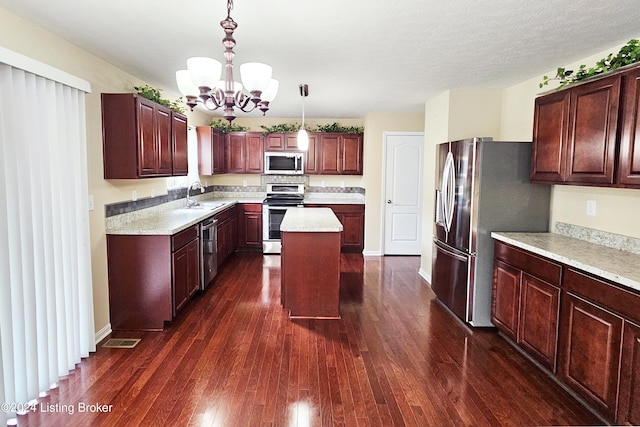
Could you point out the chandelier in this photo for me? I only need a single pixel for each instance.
(200, 83)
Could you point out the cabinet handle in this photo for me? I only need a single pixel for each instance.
(388, 202)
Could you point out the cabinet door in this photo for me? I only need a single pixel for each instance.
(329, 154)
(291, 141)
(250, 226)
(193, 276)
(218, 151)
(593, 125)
(538, 322)
(274, 142)
(148, 154)
(505, 301)
(590, 352)
(205, 150)
(629, 401)
(180, 149)
(351, 154)
(311, 164)
(629, 162)
(235, 152)
(180, 278)
(550, 126)
(163, 141)
(254, 153)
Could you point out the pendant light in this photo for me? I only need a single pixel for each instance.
(303, 137)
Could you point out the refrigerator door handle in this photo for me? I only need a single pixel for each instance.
(456, 255)
(448, 190)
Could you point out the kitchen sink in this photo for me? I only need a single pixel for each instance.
(204, 206)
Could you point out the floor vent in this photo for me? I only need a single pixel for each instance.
(121, 343)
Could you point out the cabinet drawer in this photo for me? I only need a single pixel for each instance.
(607, 295)
(540, 267)
(183, 237)
(226, 214)
(252, 207)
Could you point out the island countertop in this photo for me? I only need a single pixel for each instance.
(310, 220)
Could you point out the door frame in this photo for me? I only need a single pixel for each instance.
(383, 201)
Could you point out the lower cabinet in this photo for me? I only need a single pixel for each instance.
(524, 307)
(151, 277)
(352, 219)
(629, 399)
(186, 267)
(250, 226)
(591, 322)
(227, 233)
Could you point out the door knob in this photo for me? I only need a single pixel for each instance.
(388, 202)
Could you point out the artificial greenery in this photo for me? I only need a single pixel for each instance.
(155, 95)
(280, 128)
(628, 54)
(226, 127)
(335, 127)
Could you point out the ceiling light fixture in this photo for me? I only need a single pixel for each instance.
(200, 82)
(303, 137)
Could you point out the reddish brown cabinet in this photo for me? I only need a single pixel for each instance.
(629, 158)
(244, 152)
(629, 399)
(339, 154)
(281, 141)
(352, 219)
(151, 277)
(141, 138)
(312, 162)
(250, 226)
(586, 134)
(185, 266)
(227, 233)
(210, 151)
(526, 301)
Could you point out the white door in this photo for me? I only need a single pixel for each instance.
(403, 193)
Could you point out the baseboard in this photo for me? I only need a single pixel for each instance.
(371, 253)
(427, 277)
(103, 333)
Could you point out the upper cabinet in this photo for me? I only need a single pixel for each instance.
(142, 139)
(585, 134)
(281, 141)
(339, 154)
(210, 150)
(244, 152)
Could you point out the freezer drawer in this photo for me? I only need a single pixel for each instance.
(451, 279)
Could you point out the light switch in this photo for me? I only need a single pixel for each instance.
(591, 207)
(134, 195)
(91, 205)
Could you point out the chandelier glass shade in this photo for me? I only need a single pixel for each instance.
(203, 82)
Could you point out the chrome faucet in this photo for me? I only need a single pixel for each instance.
(191, 202)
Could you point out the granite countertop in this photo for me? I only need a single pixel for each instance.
(612, 264)
(168, 221)
(333, 199)
(310, 220)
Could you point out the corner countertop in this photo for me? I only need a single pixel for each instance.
(310, 220)
(612, 264)
(333, 199)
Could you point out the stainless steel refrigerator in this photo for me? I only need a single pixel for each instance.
(481, 186)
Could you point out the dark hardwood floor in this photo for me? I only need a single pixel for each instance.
(233, 358)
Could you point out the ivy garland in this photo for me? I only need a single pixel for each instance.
(628, 54)
(333, 127)
(226, 127)
(155, 95)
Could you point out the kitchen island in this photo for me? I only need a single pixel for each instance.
(311, 263)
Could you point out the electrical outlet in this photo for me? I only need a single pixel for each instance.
(91, 205)
(323, 183)
(152, 192)
(134, 195)
(591, 207)
(341, 184)
(244, 182)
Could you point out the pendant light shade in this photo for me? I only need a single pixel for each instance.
(303, 140)
(303, 136)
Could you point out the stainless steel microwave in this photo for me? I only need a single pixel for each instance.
(284, 163)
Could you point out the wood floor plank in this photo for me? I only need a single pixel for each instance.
(233, 357)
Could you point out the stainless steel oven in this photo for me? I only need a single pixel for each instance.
(280, 197)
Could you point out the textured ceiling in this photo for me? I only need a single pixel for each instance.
(358, 56)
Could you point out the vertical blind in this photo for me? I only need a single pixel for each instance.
(46, 302)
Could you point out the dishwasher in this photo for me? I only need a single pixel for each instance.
(208, 251)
